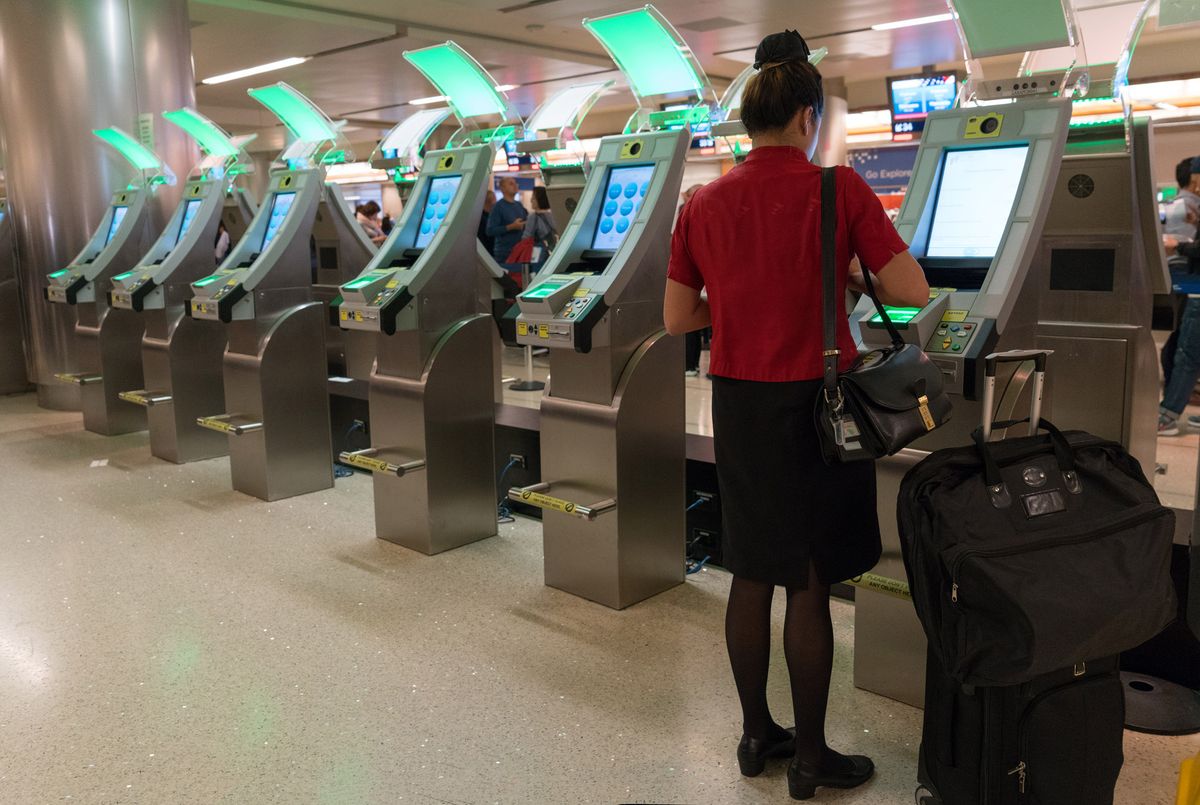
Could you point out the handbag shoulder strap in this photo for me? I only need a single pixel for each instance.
(830, 352)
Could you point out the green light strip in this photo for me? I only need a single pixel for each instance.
(137, 154)
(303, 119)
(211, 137)
(467, 86)
(209, 280)
(651, 56)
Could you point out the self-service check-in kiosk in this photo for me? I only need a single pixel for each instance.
(108, 340)
(13, 376)
(433, 389)
(612, 427)
(181, 355)
(276, 408)
(981, 190)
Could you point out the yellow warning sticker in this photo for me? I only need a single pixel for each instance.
(366, 462)
(217, 424)
(522, 328)
(343, 315)
(547, 502)
(543, 331)
(231, 283)
(954, 315)
(132, 397)
(580, 292)
(358, 316)
(393, 284)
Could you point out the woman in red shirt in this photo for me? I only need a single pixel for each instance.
(751, 239)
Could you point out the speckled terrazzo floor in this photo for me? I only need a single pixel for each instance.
(166, 640)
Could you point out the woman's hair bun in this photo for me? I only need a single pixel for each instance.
(784, 46)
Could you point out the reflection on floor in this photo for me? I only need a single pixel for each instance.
(165, 640)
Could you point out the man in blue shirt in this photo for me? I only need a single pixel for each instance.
(505, 224)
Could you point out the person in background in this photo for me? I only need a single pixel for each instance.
(386, 224)
(367, 215)
(540, 226)
(693, 341)
(757, 227)
(506, 223)
(1183, 216)
(223, 244)
(1186, 369)
(489, 201)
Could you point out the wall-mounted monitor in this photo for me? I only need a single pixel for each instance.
(623, 196)
(974, 200)
(437, 205)
(118, 215)
(914, 97)
(280, 205)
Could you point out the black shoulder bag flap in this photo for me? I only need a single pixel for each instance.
(891, 396)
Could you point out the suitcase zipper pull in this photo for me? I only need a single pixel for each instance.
(1020, 772)
(954, 592)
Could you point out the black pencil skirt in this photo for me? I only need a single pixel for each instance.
(781, 505)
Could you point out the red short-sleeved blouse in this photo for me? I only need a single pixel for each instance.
(752, 239)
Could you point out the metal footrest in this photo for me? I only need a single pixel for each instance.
(145, 398)
(78, 378)
(535, 496)
(369, 460)
(231, 424)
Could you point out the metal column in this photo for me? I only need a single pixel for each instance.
(126, 57)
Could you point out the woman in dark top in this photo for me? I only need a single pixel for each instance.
(751, 239)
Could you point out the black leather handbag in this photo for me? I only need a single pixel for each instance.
(891, 396)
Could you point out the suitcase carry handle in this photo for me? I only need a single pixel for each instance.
(991, 470)
(990, 362)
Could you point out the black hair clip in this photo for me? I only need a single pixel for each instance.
(779, 48)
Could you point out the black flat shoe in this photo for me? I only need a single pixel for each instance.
(835, 771)
(752, 753)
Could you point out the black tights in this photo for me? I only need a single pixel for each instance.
(807, 645)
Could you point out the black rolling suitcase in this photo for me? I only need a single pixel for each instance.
(1033, 562)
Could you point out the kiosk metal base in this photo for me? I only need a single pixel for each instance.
(277, 379)
(631, 451)
(438, 431)
(1160, 707)
(183, 358)
(109, 352)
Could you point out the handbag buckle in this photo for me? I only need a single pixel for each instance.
(837, 404)
(926, 417)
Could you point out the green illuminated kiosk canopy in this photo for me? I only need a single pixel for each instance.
(484, 112)
(152, 168)
(309, 126)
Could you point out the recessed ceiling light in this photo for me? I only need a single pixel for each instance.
(507, 87)
(262, 68)
(915, 21)
(429, 100)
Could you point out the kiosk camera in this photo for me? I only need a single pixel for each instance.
(108, 340)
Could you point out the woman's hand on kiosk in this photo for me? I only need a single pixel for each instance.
(901, 282)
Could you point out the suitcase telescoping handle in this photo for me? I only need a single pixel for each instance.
(1038, 356)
